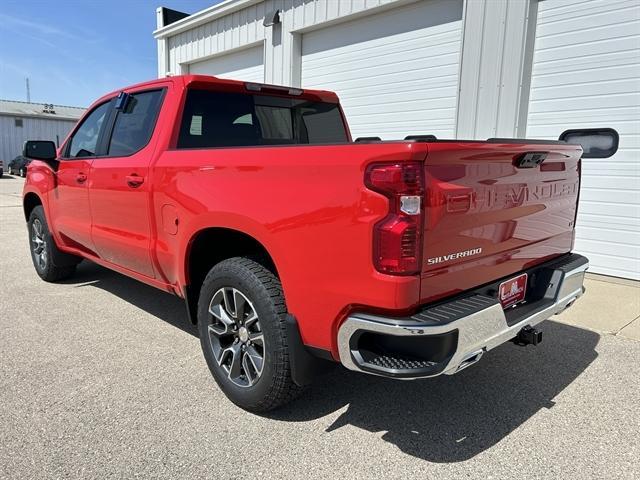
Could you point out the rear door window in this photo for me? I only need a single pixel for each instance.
(223, 119)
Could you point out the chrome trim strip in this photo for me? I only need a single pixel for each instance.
(477, 333)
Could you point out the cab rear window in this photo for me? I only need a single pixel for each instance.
(224, 119)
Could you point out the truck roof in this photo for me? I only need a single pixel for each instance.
(234, 85)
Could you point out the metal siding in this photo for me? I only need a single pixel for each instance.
(586, 73)
(244, 27)
(226, 33)
(493, 68)
(12, 138)
(407, 59)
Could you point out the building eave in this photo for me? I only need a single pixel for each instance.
(40, 117)
(203, 16)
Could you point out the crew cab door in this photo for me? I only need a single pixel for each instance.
(120, 188)
(69, 200)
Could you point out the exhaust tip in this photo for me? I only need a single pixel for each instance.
(470, 360)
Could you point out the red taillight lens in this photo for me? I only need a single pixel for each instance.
(397, 238)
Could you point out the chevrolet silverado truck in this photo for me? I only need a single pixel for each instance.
(293, 245)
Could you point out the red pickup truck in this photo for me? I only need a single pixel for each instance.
(293, 245)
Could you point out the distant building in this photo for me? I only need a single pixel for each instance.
(20, 121)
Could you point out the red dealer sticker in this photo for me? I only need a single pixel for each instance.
(513, 291)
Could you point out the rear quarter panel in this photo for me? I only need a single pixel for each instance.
(309, 208)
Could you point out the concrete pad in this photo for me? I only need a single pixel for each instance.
(605, 307)
(632, 330)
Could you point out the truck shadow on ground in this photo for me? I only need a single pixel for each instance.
(444, 419)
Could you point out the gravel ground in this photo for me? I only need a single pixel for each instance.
(102, 377)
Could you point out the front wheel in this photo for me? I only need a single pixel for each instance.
(241, 321)
(43, 249)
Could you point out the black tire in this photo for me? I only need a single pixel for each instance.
(44, 250)
(273, 386)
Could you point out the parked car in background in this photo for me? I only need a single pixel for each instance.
(18, 166)
(291, 243)
(1, 168)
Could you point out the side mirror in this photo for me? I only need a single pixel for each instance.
(595, 142)
(39, 150)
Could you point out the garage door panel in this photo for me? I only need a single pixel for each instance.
(612, 224)
(611, 265)
(442, 42)
(398, 24)
(552, 123)
(622, 182)
(595, 100)
(603, 87)
(577, 9)
(388, 74)
(396, 73)
(610, 248)
(570, 29)
(363, 94)
(415, 81)
(407, 58)
(597, 47)
(581, 116)
(598, 209)
(620, 72)
(586, 73)
(402, 107)
(611, 194)
(247, 65)
(394, 101)
(577, 64)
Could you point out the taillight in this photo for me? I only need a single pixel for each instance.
(397, 238)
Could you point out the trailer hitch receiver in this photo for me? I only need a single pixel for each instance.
(528, 336)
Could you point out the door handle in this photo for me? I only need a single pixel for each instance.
(134, 181)
(81, 178)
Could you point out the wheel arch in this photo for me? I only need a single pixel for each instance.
(29, 202)
(209, 246)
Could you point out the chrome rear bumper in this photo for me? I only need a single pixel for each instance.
(456, 333)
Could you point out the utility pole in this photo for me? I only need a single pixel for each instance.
(28, 91)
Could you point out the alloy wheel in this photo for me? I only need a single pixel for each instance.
(235, 336)
(38, 243)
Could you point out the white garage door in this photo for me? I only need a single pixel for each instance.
(247, 64)
(586, 73)
(396, 72)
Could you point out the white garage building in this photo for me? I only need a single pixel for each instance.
(453, 68)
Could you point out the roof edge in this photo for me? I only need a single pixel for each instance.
(56, 118)
(41, 103)
(203, 16)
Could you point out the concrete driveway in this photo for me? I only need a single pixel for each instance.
(101, 377)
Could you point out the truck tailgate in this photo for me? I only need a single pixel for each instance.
(488, 218)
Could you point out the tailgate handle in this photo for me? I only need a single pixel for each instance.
(530, 159)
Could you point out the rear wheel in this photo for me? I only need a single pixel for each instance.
(241, 319)
(43, 249)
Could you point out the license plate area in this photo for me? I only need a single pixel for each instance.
(513, 291)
